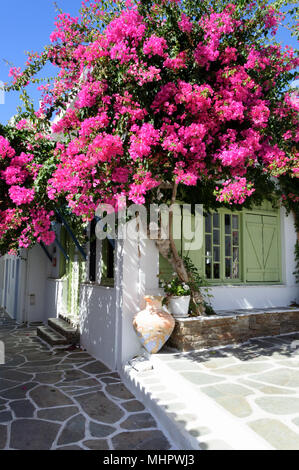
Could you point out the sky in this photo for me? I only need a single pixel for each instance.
(26, 26)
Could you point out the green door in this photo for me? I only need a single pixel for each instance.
(262, 250)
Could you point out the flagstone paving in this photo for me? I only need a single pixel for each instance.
(66, 400)
(257, 383)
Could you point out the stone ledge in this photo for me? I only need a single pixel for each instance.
(205, 332)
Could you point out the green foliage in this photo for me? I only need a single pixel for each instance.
(199, 284)
(175, 287)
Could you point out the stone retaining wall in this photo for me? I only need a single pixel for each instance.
(206, 332)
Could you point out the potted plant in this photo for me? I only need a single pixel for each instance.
(178, 295)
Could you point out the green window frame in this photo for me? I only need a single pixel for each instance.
(222, 247)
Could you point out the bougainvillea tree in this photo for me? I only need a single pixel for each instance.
(170, 99)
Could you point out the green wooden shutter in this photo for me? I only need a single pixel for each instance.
(262, 250)
(271, 249)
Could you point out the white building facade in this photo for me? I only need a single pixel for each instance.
(104, 293)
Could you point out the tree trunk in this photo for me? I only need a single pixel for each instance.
(168, 250)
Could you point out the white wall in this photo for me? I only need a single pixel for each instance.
(140, 278)
(56, 289)
(98, 322)
(2, 269)
(24, 286)
(9, 283)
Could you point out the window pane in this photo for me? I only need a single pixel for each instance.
(235, 238)
(227, 223)
(92, 252)
(228, 267)
(222, 260)
(110, 261)
(228, 246)
(235, 270)
(216, 252)
(208, 269)
(208, 245)
(208, 223)
(216, 271)
(236, 253)
(216, 237)
(235, 221)
(216, 220)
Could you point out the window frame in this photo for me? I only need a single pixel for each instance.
(222, 279)
(265, 209)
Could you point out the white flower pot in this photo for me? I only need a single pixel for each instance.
(179, 306)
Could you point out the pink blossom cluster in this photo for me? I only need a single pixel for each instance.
(185, 24)
(234, 191)
(21, 195)
(21, 215)
(155, 45)
(142, 141)
(5, 149)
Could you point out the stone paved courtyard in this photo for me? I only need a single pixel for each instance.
(256, 384)
(66, 400)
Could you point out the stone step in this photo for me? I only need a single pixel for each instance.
(51, 337)
(191, 419)
(70, 332)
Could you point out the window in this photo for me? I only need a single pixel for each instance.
(238, 247)
(108, 249)
(222, 246)
(92, 252)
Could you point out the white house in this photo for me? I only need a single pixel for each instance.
(247, 258)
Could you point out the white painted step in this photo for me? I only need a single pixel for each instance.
(192, 420)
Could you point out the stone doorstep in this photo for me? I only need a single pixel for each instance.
(72, 320)
(69, 332)
(51, 337)
(191, 419)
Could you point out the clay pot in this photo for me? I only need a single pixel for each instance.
(153, 325)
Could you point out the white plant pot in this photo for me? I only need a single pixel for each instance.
(179, 306)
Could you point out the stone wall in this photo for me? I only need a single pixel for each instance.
(206, 332)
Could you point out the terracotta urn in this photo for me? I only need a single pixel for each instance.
(153, 325)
